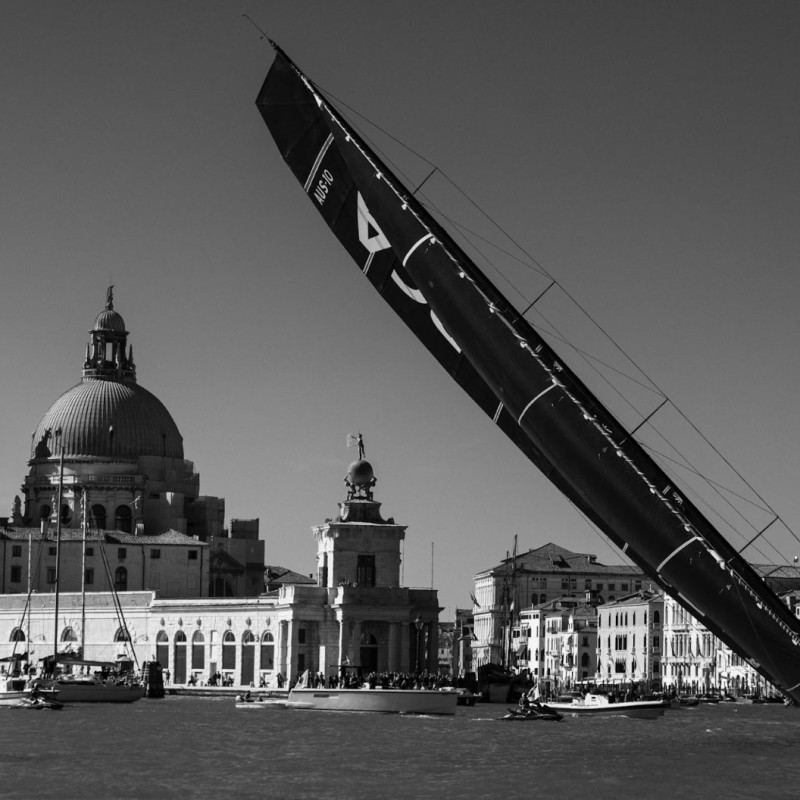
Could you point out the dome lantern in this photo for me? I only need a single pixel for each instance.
(105, 353)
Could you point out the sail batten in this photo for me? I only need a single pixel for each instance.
(518, 380)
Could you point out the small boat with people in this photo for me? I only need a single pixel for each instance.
(594, 704)
(261, 702)
(533, 713)
(364, 698)
(38, 702)
(531, 708)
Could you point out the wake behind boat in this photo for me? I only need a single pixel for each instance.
(600, 705)
(396, 701)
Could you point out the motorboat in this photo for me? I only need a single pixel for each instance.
(16, 689)
(396, 701)
(592, 704)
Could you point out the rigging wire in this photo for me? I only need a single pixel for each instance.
(592, 361)
(529, 262)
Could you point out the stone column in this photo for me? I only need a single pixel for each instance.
(405, 648)
(281, 648)
(355, 643)
(394, 662)
(342, 644)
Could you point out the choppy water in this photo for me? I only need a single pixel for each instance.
(204, 748)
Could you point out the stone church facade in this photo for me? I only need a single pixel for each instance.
(112, 515)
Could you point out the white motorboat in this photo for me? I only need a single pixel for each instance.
(600, 705)
(397, 701)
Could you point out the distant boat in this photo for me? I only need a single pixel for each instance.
(506, 366)
(386, 701)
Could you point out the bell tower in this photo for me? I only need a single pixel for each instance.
(359, 547)
(105, 352)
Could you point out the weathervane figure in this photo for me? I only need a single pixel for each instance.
(358, 441)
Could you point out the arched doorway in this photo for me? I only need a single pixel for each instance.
(267, 652)
(248, 657)
(162, 649)
(369, 653)
(229, 651)
(99, 516)
(198, 651)
(180, 657)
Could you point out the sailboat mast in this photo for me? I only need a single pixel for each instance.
(83, 575)
(58, 545)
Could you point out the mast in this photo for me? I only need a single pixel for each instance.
(58, 545)
(84, 503)
(520, 382)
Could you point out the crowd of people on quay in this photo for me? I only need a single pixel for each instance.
(352, 679)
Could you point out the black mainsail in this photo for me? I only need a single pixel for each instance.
(498, 358)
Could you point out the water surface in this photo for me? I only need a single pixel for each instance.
(184, 747)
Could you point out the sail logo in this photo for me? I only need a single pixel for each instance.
(374, 240)
(323, 186)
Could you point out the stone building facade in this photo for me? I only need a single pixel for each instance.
(110, 503)
(533, 578)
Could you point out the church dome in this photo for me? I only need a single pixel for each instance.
(108, 418)
(109, 320)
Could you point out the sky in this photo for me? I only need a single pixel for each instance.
(643, 154)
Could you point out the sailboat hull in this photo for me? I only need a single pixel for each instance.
(87, 692)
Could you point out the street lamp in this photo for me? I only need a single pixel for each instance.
(418, 625)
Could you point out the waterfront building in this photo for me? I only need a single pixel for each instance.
(630, 640)
(532, 579)
(570, 648)
(355, 613)
(107, 474)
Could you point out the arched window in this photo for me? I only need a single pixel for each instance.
(198, 650)
(68, 635)
(267, 651)
(121, 579)
(17, 635)
(585, 660)
(99, 516)
(122, 521)
(66, 514)
(162, 649)
(656, 617)
(122, 635)
(248, 657)
(179, 660)
(228, 650)
(45, 511)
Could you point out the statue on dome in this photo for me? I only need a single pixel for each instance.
(358, 441)
(110, 297)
